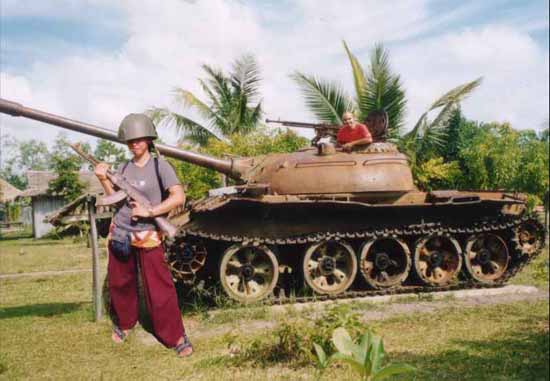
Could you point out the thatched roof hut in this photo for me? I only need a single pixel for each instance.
(8, 192)
(38, 182)
(44, 203)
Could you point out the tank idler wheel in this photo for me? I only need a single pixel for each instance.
(248, 273)
(185, 260)
(329, 267)
(529, 237)
(437, 259)
(486, 257)
(385, 262)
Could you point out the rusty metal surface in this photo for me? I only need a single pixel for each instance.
(307, 172)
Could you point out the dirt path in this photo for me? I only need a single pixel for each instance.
(376, 308)
(42, 273)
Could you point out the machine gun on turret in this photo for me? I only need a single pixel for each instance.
(322, 130)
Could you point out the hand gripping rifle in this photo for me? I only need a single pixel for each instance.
(126, 190)
(321, 129)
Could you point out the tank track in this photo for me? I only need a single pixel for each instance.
(504, 226)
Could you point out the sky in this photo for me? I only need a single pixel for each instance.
(98, 60)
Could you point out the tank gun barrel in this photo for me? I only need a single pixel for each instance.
(230, 167)
(317, 126)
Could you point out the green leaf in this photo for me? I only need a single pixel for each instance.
(326, 100)
(363, 346)
(188, 128)
(359, 368)
(456, 94)
(376, 354)
(391, 370)
(384, 91)
(342, 341)
(321, 356)
(245, 77)
(358, 74)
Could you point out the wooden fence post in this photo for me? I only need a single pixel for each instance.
(95, 258)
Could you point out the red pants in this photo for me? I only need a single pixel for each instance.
(160, 295)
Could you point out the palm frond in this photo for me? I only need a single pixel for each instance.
(326, 100)
(210, 94)
(186, 127)
(218, 83)
(358, 75)
(190, 100)
(458, 94)
(256, 114)
(246, 77)
(435, 132)
(384, 91)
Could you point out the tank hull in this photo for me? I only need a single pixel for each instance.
(294, 228)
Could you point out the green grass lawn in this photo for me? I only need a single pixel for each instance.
(47, 332)
(30, 255)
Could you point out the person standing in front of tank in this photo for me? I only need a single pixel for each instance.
(352, 134)
(134, 238)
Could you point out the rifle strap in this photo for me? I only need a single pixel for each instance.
(163, 193)
(124, 167)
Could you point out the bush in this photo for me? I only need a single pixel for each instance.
(292, 342)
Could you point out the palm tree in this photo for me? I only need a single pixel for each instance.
(379, 88)
(231, 106)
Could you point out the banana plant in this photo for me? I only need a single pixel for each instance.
(365, 357)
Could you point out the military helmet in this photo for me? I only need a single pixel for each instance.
(135, 126)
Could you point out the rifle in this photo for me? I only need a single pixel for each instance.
(126, 190)
(321, 129)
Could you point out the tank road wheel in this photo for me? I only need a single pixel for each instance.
(486, 257)
(529, 237)
(437, 260)
(185, 260)
(385, 262)
(329, 267)
(248, 273)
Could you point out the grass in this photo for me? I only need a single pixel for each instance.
(47, 332)
(30, 255)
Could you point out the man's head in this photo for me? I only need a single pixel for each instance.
(348, 119)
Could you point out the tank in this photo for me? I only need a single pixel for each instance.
(336, 224)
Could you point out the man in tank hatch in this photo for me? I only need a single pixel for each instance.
(134, 238)
(352, 134)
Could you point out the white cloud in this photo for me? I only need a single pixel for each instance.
(169, 40)
(514, 68)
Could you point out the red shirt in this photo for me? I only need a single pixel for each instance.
(347, 134)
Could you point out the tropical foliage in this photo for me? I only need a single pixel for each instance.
(66, 166)
(488, 156)
(109, 152)
(378, 88)
(67, 183)
(232, 104)
(366, 356)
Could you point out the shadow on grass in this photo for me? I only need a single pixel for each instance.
(41, 310)
(518, 356)
(46, 242)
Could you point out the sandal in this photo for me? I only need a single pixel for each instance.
(120, 334)
(181, 347)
